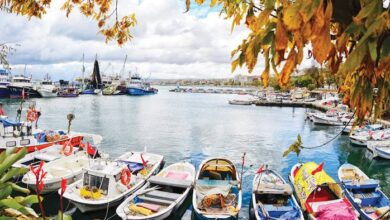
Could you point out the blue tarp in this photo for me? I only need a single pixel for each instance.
(133, 167)
(8, 123)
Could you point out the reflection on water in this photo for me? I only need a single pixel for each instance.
(192, 127)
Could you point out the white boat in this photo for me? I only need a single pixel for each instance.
(361, 138)
(56, 151)
(363, 193)
(106, 183)
(272, 197)
(380, 148)
(240, 102)
(69, 168)
(332, 117)
(371, 127)
(47, 89)
(161, 195)
(217, 192)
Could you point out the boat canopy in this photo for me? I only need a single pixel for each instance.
(219, 165)
(305, 182)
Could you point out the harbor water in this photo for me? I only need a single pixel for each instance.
(191, 127)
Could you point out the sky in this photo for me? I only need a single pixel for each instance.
(168, 43)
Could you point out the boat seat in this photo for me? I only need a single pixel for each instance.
(155, 200)
(273, 208)
(159, 180)
(362, 184)
(46, 157)
(273, 189)
(163, 195)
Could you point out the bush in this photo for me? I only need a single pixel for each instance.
(311, 87)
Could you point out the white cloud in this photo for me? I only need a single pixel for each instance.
(168, 43)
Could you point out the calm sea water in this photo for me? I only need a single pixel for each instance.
(192, 127)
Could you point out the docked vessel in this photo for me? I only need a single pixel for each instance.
(21, 87)
(68, 92)
(95, 86)
(47, 89)
(380, 148)
(363, 193)
(272, 197)
(137, 87)
(217, 193)
(318, 194)
(361, 138)
(161, 195)
(4, 83)
(106, 183)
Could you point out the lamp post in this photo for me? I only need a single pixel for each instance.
(375, 94)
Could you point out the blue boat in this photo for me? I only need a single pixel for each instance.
(95, 86)
(363, 193)
(272, 197)
(217, 193)
(4, 82)
(137, 87)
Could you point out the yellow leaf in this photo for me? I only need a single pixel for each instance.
(319, 20)
(212, 3)
(288, 68)
(199, 2)
(281, 37)
(291, 17)
(188, 4)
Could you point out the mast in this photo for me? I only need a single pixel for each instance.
(83, 71)
(123, 67)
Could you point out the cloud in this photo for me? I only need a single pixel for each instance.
(168, 43)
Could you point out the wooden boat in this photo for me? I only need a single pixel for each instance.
(106, 183)
(38, 140)
(318, 194)
(363, 193)
(272, 197)
(380, 148)
(161, 195)
(217, 192)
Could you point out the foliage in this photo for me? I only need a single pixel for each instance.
(311, 86)
(295, 147)
(5, 50)
(352, 37)
(14, 207)
(303, 81)
(100, 10)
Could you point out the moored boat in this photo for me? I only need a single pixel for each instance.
(161, 195)
(272, 197)
(68, 92)
(21, 87)
(4, 83)
(106, 183)
(47, 89)
(363, 193)
(380, 148)
(318, 194)
(361, 138)
(371, 127)
(137, 87)
(240, 102)
(217, 192)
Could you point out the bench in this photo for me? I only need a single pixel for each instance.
(163, 195)
(159, 180)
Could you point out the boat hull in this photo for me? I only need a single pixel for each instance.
(140, 92)
(47, 93)
(4, 92)
(16, 92)
(54, 186)
(358, 142)
(326, 121)
(90, 208)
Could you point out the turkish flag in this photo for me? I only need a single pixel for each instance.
(260, 170)
(318, 169)
(143, 161)
(90, 150)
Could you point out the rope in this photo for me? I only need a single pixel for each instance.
(332, 139)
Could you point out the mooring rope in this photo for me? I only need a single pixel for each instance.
(332, 139)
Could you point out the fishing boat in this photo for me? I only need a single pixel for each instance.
(369, 127)
(106, 183)
(95, 87)
(318, 194)
(161, 195)
(380, 148)
(137, 87)
(272, 197)
(47, 89)
(363, 193)
(68, 92)
(217, 192)
(4, 83)
(15, 135)
(21, 87)
(361, 138)
(56, 151)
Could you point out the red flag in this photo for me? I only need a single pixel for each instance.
(90, 149)
(143, 161)
(383, 135)
(318, 169)
(63, 185)
(260, 170)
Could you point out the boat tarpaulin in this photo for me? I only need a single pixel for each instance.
(306, 181)
(336, 211)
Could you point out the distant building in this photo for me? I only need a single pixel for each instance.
(243, 79)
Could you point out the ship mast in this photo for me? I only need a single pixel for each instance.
(83, 71)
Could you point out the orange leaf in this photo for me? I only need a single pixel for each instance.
(288, 68)
(281, 37)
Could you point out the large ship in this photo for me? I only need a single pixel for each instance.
(4, 82)
(47, 88)
(137, 87)
(21, 87)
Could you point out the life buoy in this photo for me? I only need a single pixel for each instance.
(64, 148)
(31, 115)
(125, 176)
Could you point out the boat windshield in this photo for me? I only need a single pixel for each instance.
(96, 182)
